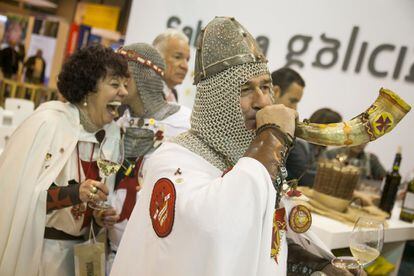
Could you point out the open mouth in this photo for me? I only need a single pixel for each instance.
(112, 108)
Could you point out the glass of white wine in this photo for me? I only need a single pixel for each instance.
(111, 156)
(367, 239)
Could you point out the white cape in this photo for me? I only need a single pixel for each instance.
(25, 176)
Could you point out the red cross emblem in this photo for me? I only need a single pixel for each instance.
(383, 123)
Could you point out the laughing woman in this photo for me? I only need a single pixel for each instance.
(48, 170)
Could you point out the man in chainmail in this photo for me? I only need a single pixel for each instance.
(148, 120)
(207, 206)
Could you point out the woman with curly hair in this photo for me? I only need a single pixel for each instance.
(48, 170)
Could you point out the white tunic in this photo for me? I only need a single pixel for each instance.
(171, 127)
(222, 225)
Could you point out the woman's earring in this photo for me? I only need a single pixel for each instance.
(85, 103)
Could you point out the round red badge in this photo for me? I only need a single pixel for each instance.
(162, 207)
(300, 219)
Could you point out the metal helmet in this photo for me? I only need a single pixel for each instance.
(224, 43)
(227, 58)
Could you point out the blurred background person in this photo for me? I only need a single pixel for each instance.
(368, 189)
(369, 164)
(49, 170)
(35, 68)
(174, 48)
(288, 86)
(11, 55)
(304, 160)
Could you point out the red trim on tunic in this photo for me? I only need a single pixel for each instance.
(279, 224)
(92, 172)
(226, 171)
(129, 183)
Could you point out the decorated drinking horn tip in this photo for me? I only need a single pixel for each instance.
(380, 118)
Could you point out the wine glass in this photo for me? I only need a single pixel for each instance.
(367, 239)
(366, 242)
(347, 262)
(111, 156)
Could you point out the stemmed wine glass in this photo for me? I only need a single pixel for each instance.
(366, 241)
(111, 156)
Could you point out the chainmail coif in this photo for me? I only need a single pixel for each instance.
(218, 132)
(150, 85)
(139, 141)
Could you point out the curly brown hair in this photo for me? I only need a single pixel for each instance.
(84, 68)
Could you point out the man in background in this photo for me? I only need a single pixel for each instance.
(174, 48)
(288, 87)
(369, 164)
(35, 68)
(9, 56)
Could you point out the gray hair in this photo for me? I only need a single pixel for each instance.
(159, 41)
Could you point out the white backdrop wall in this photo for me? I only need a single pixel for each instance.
(345, 50)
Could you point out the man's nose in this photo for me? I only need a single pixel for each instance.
(260, 99)
(123, 91)
(184, 65)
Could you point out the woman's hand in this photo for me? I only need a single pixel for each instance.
(91, 190)
(106, 218)
(139, 181)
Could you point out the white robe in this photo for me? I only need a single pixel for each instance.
(26, 175)
(222, 225)
(171, 127)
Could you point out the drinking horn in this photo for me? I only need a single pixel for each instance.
(380, 118)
